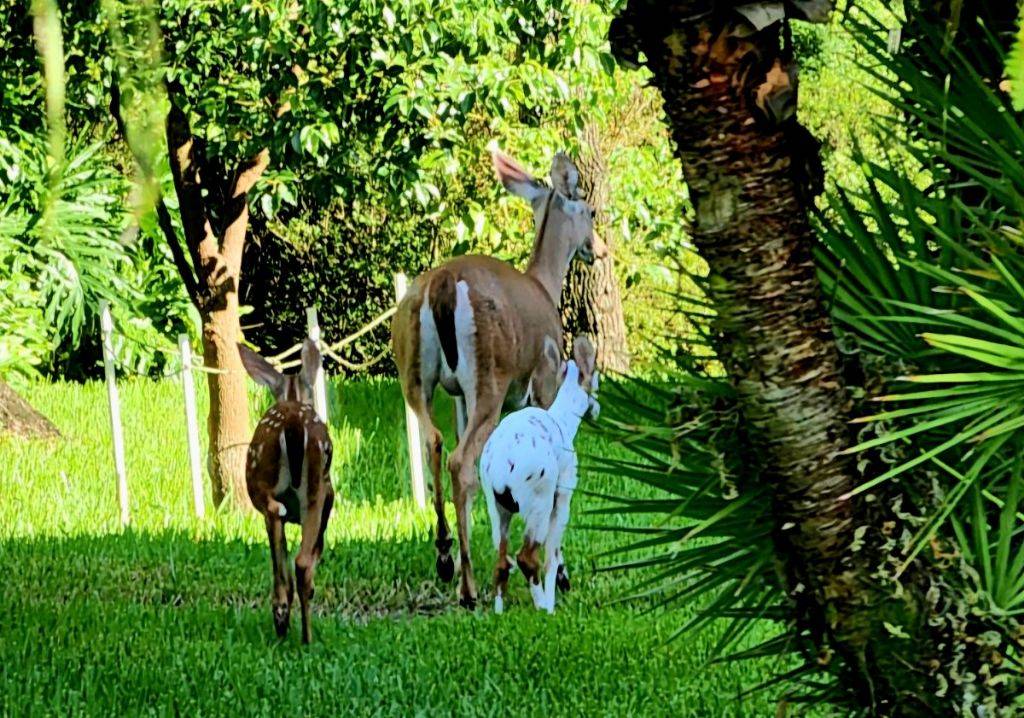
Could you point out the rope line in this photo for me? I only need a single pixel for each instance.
(328, 350)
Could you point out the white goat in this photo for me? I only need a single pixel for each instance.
(528, 466)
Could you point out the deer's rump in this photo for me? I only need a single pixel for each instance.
(472, 318)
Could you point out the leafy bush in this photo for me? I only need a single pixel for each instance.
(67, 240)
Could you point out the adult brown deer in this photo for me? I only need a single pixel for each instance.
(288, 477)
(479, 327)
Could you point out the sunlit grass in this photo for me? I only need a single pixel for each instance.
(172, 615)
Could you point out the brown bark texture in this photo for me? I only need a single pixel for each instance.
(19, 418)
(214, 217)
(591, 302)
(729, 89)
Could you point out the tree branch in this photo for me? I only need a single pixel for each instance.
(177, 253)
(247, 174)
(199, 237)
(187, 273)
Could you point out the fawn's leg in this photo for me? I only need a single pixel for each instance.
(281, 600)
(306, 559)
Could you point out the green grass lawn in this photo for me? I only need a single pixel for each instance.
(172, 617)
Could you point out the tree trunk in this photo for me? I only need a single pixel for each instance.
(17, 417)
(729, 90)
(591, 303)
(228, 419)
(215, 225)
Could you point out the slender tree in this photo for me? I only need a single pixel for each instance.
(214, 209)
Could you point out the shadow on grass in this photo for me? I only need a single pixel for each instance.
(357, 579)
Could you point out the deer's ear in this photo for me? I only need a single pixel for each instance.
(514, 178)
(585, 356)
(552, 354)
(565, 178)
(261, 371)
(310, 361)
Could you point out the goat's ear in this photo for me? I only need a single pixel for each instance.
(547, 376)
(310, 362)
(565, 178)
(514, 178)
(261, 371)
(585, 356)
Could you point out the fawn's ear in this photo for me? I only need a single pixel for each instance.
(310, 362)
(585, 356)
(514, 178)
(565, 178)
(261, 371)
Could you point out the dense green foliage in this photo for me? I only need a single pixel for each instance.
(172, 616)
(933, 291)
(377, 117)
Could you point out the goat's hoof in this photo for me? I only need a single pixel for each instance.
(468, 602)
(499, 604)
(446, 568)
(562, 580)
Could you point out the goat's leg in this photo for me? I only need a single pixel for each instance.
(553, 547)
(529, 564)
(503, 567)
(462, 464)
(562, 575)
(282, 593)
(306, 560)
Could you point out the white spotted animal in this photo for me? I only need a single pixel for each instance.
(528, 466)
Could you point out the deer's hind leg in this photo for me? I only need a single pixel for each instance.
(307, 558)
(483, 417)
(420, 400)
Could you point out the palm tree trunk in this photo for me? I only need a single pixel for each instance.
(729, 89)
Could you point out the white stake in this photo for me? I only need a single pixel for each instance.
(320, 385)
(192, 425)
(107, 329)
(412, 424)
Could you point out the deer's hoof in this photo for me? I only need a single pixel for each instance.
(281, 620)
(562, 580)
(446, 568)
